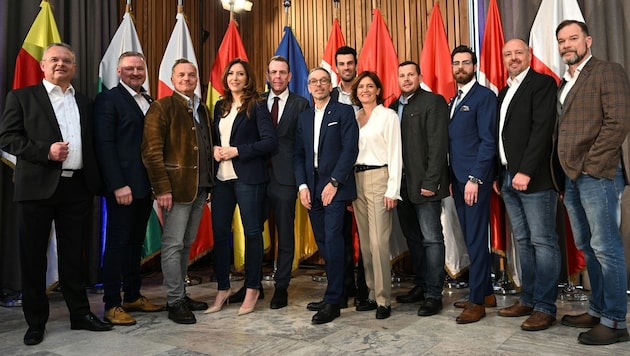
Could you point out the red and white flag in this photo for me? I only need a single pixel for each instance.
(492, 73)
(542, 38)
(335, 40)
(435, 59)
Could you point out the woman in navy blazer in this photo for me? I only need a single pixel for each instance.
(245, 138)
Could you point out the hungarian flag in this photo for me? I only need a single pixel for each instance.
(335, 40)
(379, 56)
(290, 49)
(435, 59)
(546, 59)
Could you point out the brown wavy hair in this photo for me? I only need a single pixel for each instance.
(355, 86)
(250, 94)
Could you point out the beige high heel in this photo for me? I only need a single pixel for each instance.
(246, 310)
(218, 303)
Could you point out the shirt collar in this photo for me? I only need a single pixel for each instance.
(50, 87)
(567, 76)
(131, 91)
(195, 98)
(284, 96)
(466, 88)
(518, 79)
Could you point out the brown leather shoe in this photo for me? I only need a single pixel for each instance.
(538, 321)
(471, 314)
(118, 316)
(584, 320)
(142, 304)
(603, 335)
(516, 309)
(489, 301)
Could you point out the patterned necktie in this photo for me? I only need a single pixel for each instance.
(274, 111)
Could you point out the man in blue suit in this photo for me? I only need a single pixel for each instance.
(119, 123)
(472, 132)
(326, 148)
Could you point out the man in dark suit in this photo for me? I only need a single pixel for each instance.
(285, 107)
(472, 147)
(424, 128)
(49, 128)
(527, 108)
(593, 121)
(326, 148)
(118, 125)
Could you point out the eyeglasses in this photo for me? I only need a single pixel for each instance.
(322, 81)
(66, 61)
(464, 63)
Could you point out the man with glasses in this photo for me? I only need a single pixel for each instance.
(48, 127)
(472, 132)
(326, 148)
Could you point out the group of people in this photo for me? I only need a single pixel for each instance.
(345, 152)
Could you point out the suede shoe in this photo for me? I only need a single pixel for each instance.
(383, 312)
(516, 309)
(416, 294)
(327, 314)
(279, 299)
(603, 335)
(239, 296)
(584, 320)
(195, 305)
(180, 313)
(367, 305)
(34, 335)
(430, 306)
(118, 316)
(90, 322)
(142, 304)
(471, 314)
(538, 321)
(489, 301)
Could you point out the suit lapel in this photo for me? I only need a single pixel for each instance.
(129, 99)
(519, 92)
(583, 77)
(327, 119)
(44, 101)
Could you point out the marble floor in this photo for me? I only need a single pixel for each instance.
(288, 331)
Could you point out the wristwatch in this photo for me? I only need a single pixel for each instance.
(334, 182)
(475, 180)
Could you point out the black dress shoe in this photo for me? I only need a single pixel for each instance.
(239, 296)
(315, 306)
(90, 322)
(34, 336)
(367, 305)
(180, 313)
(327, 314)
(195, 305)
(279, 299)
(383, 312)
(430, 307)
(416, 294)
(360, 299)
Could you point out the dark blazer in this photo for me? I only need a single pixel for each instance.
(28, 128)
(424, 129)
(472, 135)
(338, 150)
(254, 137)
(593, 122)
(282, 160)
(528, 130)
(118, 127)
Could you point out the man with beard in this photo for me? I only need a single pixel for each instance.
(527, 108)
(593, 121)
(472, 147)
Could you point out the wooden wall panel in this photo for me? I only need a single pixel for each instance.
(262, 29)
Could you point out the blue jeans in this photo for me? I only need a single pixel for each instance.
(180, 229)
(422, 227)
(594, 208)
(251, 202)
(533, 219)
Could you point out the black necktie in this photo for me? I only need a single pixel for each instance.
(274, 111)
(147, 97)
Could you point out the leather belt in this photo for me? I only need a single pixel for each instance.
(364, 167)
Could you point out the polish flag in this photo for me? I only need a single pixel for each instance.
(335, 40)
(435, 60)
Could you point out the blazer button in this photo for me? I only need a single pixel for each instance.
(196, 148)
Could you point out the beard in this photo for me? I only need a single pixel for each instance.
(466, 78)
(576, 58)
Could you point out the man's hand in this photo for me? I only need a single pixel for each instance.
(165, 201)
(389, 203)
(470, 193)
(328, 194)
(426, 193)
(123, 195)
(520, 181)
(305, 198)
(496, 188)
(225, 153)
(58, 151)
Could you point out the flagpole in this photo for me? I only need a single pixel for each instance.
(127, 7)
(287, 5)
(336, 9)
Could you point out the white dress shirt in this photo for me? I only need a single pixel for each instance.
(282, 102)
(67, 113)
(513, 84)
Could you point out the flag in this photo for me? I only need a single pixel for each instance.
(435, 59)
(335, 40)
(379, 56)
(231, 47)
(542, 38)
(492, 73)
(546, 59)
(125, 39)
(180, 45)
(290, 49)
